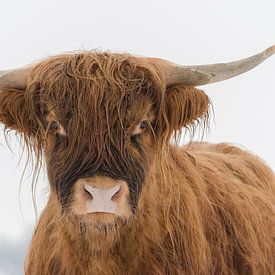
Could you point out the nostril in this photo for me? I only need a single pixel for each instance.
(87, 193)
(116, 194)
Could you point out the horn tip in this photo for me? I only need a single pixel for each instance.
(271, 50)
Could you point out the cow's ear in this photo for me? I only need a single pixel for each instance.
(13, 112)
(185, 105)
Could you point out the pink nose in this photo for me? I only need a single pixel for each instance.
(102, 199)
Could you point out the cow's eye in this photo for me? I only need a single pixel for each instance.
(54, 126)
(141, 127)
(143, 124)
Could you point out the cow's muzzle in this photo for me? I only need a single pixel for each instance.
(101, 199)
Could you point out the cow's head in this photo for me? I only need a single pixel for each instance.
(101, 120)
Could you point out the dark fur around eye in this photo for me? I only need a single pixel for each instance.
(135, 141)
(60, 141)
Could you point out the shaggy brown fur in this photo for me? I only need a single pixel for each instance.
(199, 209)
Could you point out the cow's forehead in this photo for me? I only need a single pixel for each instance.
(116, 72)
(94, 83)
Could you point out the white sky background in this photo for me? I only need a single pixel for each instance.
(186, 32)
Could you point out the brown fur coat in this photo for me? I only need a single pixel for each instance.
(214, 214)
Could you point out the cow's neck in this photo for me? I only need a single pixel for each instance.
(89, 249)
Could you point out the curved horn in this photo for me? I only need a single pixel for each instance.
(204, 74)
(16, 79)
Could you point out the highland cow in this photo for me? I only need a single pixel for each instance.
(123, 198)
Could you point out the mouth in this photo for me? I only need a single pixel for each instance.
(101, 219)
(102, 224)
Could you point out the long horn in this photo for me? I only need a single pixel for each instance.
(16, 79)
(204, 74)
